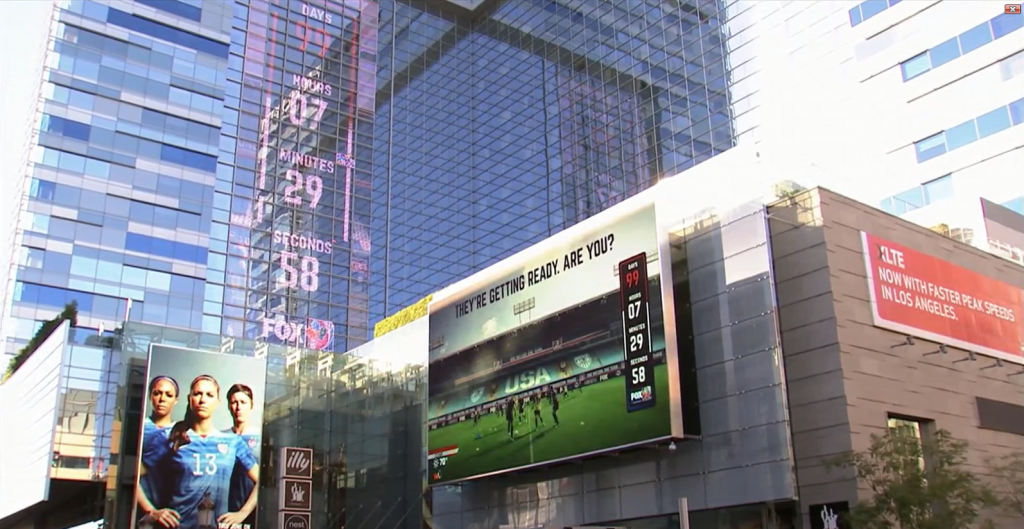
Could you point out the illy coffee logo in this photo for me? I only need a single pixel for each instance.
(297, 463)
(295, 520)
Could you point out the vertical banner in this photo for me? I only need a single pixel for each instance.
(295, 487)
(200, 443)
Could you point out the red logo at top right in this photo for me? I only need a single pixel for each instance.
(1011, 9)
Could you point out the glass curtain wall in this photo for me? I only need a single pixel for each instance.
(362, 416)
(499, 127)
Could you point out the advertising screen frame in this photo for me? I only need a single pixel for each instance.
(952, 298)
(224, 457)
(498, 273)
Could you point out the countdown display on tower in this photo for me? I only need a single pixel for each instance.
(555, 353)
(299, 234)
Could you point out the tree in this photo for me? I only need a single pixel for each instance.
(916, 485)
(1008, 472)
(70, 313)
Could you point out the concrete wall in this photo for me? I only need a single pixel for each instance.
(844, 376)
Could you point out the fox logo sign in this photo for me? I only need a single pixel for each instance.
(640, 395)
(296, 463)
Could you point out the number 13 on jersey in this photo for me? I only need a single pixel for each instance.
(636, 329)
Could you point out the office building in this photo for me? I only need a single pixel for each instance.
(483, 126)
(270, 178)
(207, 168)
(914, 107)
(783, 333)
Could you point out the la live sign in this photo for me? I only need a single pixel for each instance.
(310, 333)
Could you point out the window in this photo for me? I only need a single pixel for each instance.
(868, 9)
(908, 428)
(930, 147)
(195, 160)
(175, 7)
(960, 135)
(66, 127)
(943, 53)
(975, 38)
(1005, 24)
(971, 131)
(916, 66)
(146, 244)
(1016, 112)
(919, 196)
(960, 45)
(32, 257)
(42, 189)
(996, 121)
(938, 189)
(168, 33)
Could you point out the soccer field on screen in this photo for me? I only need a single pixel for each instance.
(590, 420)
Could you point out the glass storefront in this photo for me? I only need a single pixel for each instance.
(361, 415)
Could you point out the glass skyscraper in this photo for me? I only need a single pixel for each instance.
(500, 123)
(294, 171)
(224, 174)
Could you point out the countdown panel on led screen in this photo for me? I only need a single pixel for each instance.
(561, 357)
(298, 220)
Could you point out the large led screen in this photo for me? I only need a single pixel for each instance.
(200, 440)
(559, 353)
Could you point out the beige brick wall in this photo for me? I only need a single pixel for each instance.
(843, 375)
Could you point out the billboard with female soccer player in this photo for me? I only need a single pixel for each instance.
(200, 443)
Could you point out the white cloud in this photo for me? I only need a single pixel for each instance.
(490, 327)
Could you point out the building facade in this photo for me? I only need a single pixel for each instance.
(907, 106)
(850, 376)
(214, 164)
(772, 311)
(501, 123)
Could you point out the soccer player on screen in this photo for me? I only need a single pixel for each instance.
(163, 395)
(510, 418)
(201, 460)
(522, 408)
(554, 407)
(538, 419)
(240, 403)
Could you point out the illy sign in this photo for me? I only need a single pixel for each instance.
(294, 520)
(295, 463)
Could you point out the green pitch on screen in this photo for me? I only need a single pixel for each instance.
(592, 420)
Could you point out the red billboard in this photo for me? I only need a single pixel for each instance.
(924, 296)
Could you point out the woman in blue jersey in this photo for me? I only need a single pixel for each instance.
(163, 395)
(240, 403)
(200, 460)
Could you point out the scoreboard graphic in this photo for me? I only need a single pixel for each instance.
(559, 353)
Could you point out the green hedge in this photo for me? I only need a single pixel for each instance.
(70, 312)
